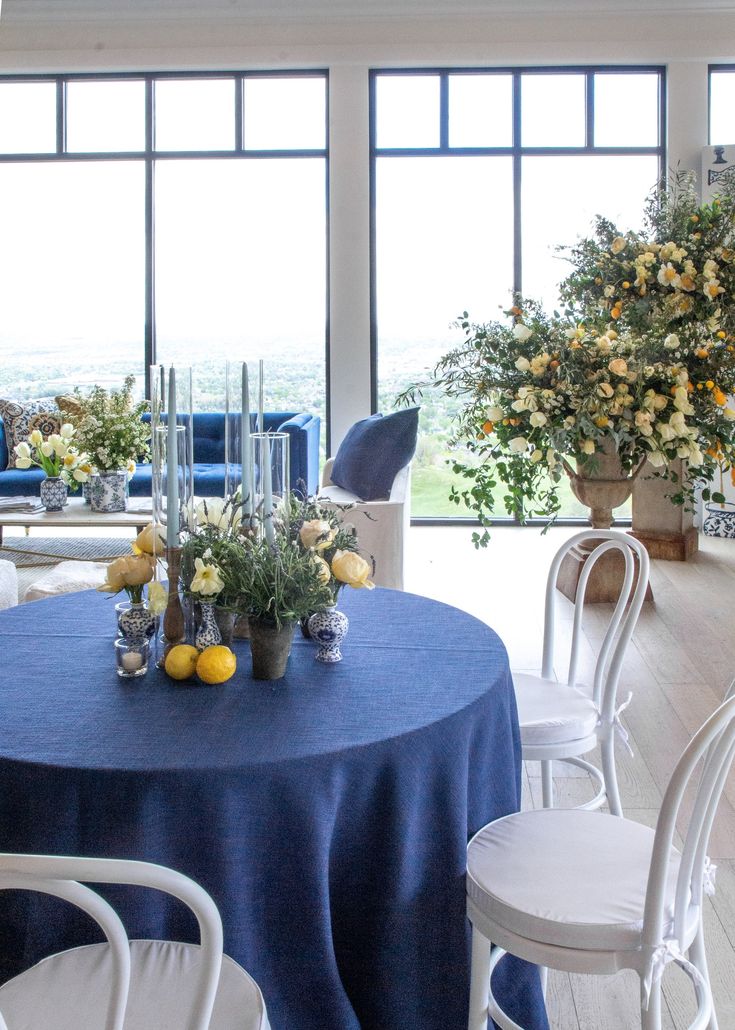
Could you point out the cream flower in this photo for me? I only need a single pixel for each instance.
(35, 438)
(350, 568)
(47, 448)
(518, 444)
(150, 540)
(536, 456)
(316, 534)
(522, 364)
(157, 598)
(587, 447)
(494, 413)
(617, 245)
(323, 572)
(129, 571)
(672, 342)
(538, 419)
(22, 449)
(67, 431)
(207, 580)
(521, 332)
(668, 276)
(618, 366)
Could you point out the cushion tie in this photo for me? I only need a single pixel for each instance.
(618, 725)
(709, 874)
(668, 951)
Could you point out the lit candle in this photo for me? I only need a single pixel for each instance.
(172, 467)
(246, 450)
(270, 533)
(131, 661)
(260, 396)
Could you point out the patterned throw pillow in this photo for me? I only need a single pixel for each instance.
(20, 418)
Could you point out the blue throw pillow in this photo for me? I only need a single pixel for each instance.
(374, 451)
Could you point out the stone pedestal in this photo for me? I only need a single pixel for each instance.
(666, 530)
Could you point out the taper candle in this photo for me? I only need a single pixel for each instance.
(172, 467)
(246, 461)
(261, 426)
(270, 532)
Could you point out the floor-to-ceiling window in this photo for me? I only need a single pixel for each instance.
(722, 104)
(478, 175)
(170, 217)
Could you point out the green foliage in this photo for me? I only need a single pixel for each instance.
(109, 426)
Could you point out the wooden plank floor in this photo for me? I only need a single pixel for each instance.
(678, 667)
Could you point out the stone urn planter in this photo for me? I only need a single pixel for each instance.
(270, 646)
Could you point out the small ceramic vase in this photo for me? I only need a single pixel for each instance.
(53, 491)
(208, 634)
(329, 629)
(137, 622)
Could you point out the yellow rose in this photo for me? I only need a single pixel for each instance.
(150, 540)
(316, 534)
(617, 245)
(131, 570)
(618, 366)
(350, 568)
(157, 598)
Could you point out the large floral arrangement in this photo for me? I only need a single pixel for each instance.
(110, 429)
(56, 455)
(642, 365)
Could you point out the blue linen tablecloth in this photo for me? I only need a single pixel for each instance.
(327, 814)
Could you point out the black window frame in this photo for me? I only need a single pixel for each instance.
(149, 154)
(517, 151)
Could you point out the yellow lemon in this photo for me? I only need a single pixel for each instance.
(216, 664)
(181, 661)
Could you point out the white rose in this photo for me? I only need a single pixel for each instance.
(523, 364)
(494, 413)
(671, 342)
(536, 455)
(657, 459)
(538, 419)
(518, 444)
(521, 332)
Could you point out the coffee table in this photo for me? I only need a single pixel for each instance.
(78, 513)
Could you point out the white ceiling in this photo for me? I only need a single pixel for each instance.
(313, 10)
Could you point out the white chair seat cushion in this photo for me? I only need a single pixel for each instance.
(8, 584)
(566, 877)
(551, 712)
(65, 578)
(338, 495)
(70, 990)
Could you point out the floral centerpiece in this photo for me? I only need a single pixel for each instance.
(56, 455)
(321, 530)
(639, 368)
(109, 427)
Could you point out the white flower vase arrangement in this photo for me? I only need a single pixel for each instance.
(65, 467)
(111, 427)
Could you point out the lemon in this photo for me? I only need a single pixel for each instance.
(181, 661)
(216, 664)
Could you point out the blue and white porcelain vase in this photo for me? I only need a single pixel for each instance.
(136, 622)
(208, 634)
(720, 520)
(108, 492)
(87, 491)
(53, 491)
(329, 628)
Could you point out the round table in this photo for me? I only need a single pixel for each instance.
(327, 813)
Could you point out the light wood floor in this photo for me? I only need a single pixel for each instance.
(678, 667)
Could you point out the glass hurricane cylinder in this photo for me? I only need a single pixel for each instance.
(239, 425)
(172, 448)
(270, 478)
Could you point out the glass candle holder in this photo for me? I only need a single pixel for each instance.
(131, 657)
(172, 445)
(271, 478)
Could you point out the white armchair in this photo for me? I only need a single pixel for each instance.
(381, 526)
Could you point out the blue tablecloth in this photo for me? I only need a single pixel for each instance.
(327, 814)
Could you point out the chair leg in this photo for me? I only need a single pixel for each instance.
(479, 981)
(609, 772)
(651, 1017)
(698, 958)
(547, 784)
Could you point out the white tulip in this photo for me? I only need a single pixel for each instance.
(35, 438)
(67, 430)
(79, 476)
(23, 463)
(22, 450)
(518, 444)
(47, 448)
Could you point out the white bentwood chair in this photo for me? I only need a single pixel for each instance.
(126, 985)
(587, 892)
(560, 722)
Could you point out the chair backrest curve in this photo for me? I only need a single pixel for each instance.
(711, 749)
(622, 621)
(58, 875)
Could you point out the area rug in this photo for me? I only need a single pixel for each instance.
(30, 552)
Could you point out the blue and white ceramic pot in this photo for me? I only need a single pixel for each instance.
(108, 492)
(329, 629)
(136, 622)
(720, 520)
(208, 634)
(53, 491)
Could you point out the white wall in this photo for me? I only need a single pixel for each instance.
(31, 40)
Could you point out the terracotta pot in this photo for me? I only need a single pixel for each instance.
(270, 646)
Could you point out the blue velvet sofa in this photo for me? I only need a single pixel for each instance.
(209, 456)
